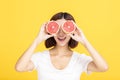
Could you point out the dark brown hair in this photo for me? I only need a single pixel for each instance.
(50, 42)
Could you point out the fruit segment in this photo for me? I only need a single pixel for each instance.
(68, 27)
(52, 27)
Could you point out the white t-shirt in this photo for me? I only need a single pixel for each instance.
(46, 71)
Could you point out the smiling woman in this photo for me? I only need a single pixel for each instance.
(60, 62)
(51, 41)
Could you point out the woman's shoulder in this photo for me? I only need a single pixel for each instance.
(80, 55)
(41, 53)
(82, 58)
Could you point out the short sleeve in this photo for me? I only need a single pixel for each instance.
(85, 60)
(35, 58)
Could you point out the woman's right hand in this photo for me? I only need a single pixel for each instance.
(24, 63)
(43, 35)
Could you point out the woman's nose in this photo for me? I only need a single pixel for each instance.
(61, 32)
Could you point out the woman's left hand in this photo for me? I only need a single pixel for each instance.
(78, 35)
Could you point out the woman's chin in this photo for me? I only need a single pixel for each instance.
(62, 41)
(62, 44)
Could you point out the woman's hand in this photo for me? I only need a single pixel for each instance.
(43, 35)
(78, 35)
(98, 64)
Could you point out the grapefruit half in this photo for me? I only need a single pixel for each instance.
(52, 27)
(68, 27)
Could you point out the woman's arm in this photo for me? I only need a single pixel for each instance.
(98, 64)
(24, 63)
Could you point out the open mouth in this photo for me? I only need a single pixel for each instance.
(61, 38)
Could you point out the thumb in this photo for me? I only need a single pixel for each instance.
(71, 35)
(51, 35)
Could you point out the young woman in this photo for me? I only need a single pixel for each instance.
(60, 62)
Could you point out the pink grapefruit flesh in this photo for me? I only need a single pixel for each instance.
(68, 27)
(52, 27)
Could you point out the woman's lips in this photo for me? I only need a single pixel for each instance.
(61, 39)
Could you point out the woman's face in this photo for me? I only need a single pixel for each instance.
(61, 37)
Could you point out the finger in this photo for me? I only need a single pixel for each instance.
(71, 35)
(77, 31)
(43, 27)
(48, 36)
(77, 26)
(52, 35)
(74, 24)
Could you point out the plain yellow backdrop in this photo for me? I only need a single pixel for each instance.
(20, 21)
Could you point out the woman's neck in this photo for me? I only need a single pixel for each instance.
(61, 50)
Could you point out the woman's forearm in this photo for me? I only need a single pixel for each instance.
(97, 58)
(25, 58)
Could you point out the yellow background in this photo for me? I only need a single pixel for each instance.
(20, 21)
